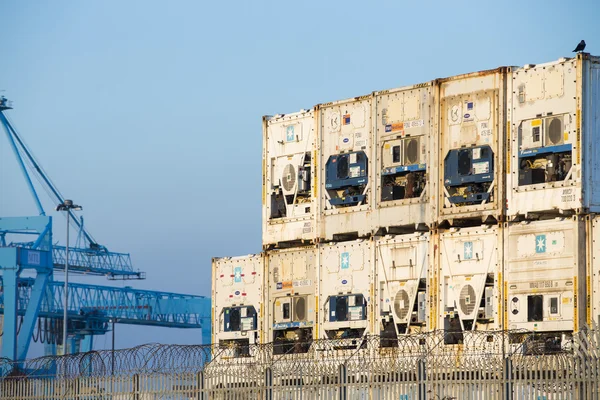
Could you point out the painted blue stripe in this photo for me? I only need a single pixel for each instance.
(404, 168)
(561, 148)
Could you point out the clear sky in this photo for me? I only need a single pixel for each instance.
(148, 113)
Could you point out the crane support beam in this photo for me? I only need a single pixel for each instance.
(13, 145)
(126, 305)
(95, 262)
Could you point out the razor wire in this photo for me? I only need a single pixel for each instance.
(477, 350)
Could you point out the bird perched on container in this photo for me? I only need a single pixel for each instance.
(579, 47)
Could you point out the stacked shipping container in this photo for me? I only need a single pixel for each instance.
(460, 204)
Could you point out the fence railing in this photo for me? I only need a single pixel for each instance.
(484, 365)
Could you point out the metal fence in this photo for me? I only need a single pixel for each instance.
(484, 365)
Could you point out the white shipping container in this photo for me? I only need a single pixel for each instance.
(471, 142)
(545, 273)
(289, 184)
(237, 295)
(291, 299)
(402, 264)
(405, 181)
(346, 308)
(346, 163)
(469, 276)
(554, 123)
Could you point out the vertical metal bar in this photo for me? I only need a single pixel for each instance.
(422, 389)
(200, 382)
(507, 375)
(9, 282)
(342, 378)
(113, 348)
(33, 306)
(268, 383)
(66, 299)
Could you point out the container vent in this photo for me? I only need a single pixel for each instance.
(467, 299)
(289, 178)
(401, 304)
(300, 309)
(411, 151)
(234, 319)
(554, 131)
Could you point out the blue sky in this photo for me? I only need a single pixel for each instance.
(149, 113)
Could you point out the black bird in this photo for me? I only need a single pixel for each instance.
(579, 47)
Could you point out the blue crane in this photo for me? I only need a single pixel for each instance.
(31, 301)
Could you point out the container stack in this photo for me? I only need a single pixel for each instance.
(464, 203)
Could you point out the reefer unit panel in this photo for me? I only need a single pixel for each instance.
(404, 122)
(469, 281)
(554, 125)
(471, 139)
(346, 164)
(237, 295)
(289, 184)
(291, 299)
(545, 275)
(345, 287)
(401, 290)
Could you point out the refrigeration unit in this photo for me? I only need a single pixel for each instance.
(545, 273)
(405, 121)
(237, 288)
(553, 138)
(289, 160)
(401, 274)
(291, 303)
(345, 287)
(469, 281)
(470, 136)
(345, 137)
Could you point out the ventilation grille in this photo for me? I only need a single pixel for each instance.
(401, 304)
(554, 131)
(467, 300)
(411, 151)
(464, 162)
(289, 178)
(300, 309)
(234, 319)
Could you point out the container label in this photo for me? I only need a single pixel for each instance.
(468, 250)
(414, 124)
(289, 134)
(346, 119)
(293, 284)
(237, 274)
(356, 313)
(540, 244)
(307, 227)
(567, 195)
(345, 260)
(394, 127)
(481, 167)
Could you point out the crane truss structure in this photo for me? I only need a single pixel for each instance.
(30, 297)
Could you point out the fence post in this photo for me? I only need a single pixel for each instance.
(507, 376)
(268, 384)
(200, 378)
(421, 380)
(343, 379)
(136, 387)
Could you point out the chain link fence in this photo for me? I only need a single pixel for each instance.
(484, 365)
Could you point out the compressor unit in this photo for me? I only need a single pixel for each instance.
(544, 156)
(403, 175)
(469, 174)
(346, 177)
